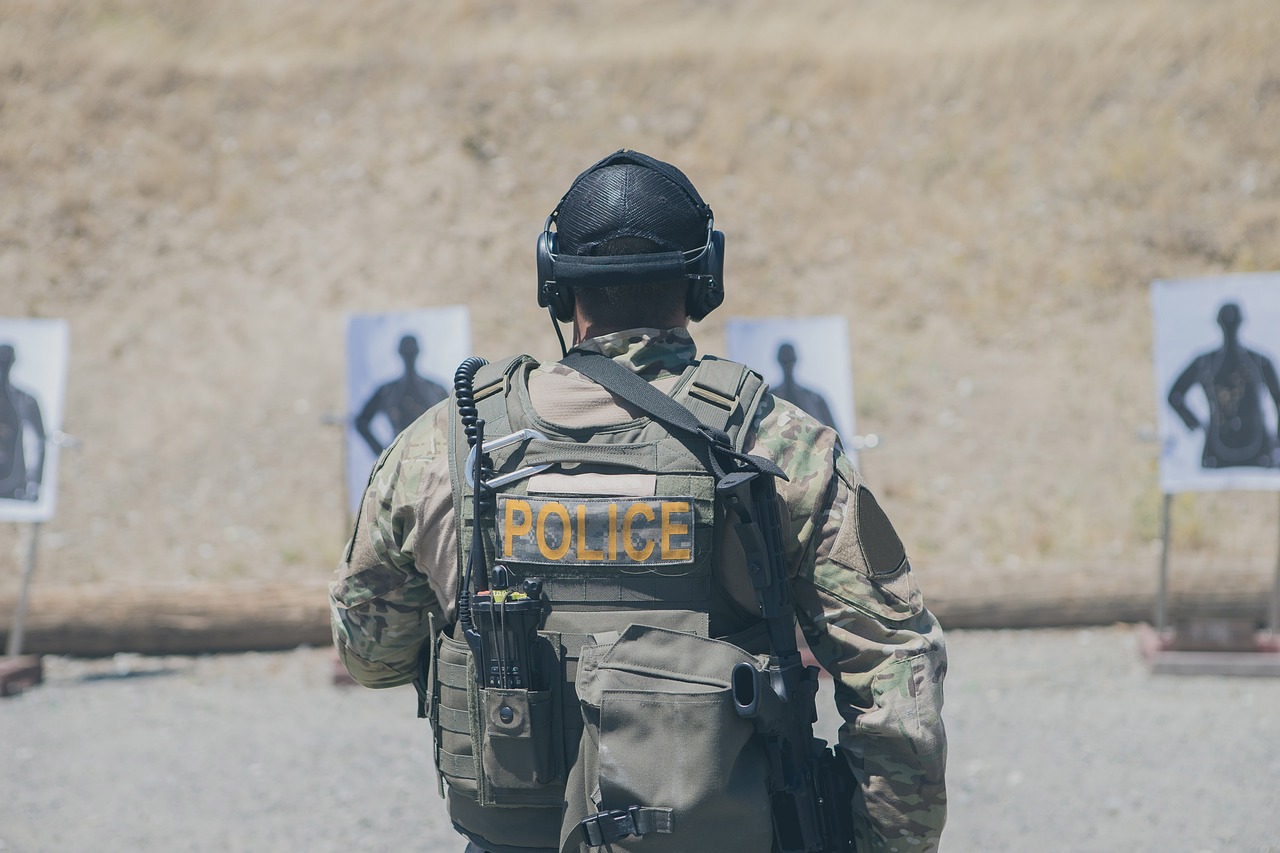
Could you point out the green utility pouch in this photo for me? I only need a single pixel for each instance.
(517, 748)
(499, 747)
(665, 761)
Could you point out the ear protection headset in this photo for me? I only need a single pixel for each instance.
(559, 274)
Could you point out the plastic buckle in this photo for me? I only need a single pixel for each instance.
(607, 827)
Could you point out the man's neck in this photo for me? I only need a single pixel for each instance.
(585, 330)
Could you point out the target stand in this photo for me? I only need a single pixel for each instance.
(1202, 645)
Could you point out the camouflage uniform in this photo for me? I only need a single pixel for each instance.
(857, 601)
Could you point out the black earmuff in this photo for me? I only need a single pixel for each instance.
(706, 280)
(550, 293)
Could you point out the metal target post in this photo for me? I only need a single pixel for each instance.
(13, 645)
(13, 648)
(1273, 618)
(1218, 651)
(18, 672)
(1162, 595)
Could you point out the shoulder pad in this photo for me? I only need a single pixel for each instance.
(723, 394)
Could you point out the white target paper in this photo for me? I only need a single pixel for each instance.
(398, 366)
(1217, 350)
(33, 378)
(805, 360)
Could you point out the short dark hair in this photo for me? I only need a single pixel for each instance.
(657, 305)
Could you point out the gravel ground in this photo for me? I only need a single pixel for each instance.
(1060, 740)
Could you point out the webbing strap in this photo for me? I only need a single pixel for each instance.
(642, 457)
(683, 423)
(458, 766)
(599, 590)
(454, 719)
(453, 675)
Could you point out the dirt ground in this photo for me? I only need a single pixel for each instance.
(1058, 741)
(983, 190)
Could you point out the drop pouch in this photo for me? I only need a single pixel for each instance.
(661, 733)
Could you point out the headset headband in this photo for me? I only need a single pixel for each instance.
(607, 270)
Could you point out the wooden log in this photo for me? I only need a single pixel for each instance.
(1019, 609)
(188, 619)
(204, 618)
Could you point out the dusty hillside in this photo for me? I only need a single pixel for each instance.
(984, 189)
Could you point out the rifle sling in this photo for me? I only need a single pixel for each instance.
(666, 411)
(627, 385)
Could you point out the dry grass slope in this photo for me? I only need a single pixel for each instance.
(984, 189)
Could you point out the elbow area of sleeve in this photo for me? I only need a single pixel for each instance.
(902, 750)
(371, 673)
(358, 641)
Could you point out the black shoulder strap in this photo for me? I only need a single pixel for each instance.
(626, 384)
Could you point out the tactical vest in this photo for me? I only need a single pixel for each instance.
(631, 738)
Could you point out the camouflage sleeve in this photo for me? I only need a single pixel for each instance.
(380, 598)
(866, 622)
(864, 618)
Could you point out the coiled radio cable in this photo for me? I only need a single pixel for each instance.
(473, 424)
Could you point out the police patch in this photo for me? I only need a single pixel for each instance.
(612, 531)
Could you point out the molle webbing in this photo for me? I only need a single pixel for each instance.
(648, 456)
(458, 766)
(642, 457)
(453, 675)
(637, 591)
(683, 425)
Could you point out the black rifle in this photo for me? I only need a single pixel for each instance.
(811, 786)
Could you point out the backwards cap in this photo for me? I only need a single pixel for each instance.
(629, 194)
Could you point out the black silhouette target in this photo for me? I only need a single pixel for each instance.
(805, 360)
(33, 367)
(399, 365)
(1217, 390)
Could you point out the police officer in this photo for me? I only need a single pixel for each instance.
(639, 576)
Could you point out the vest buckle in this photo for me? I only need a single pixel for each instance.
(608, 827)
